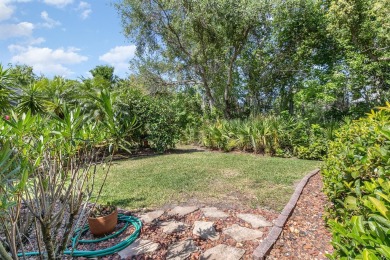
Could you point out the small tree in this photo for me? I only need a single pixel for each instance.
(56, 160)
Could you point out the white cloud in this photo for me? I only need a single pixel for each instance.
(46, 60)
(22, 29)
(84, 5)
(49, 22)
(36, 41)
(85, 14)
(119, 56)
(85, 9)
(58, 3)
(6, 11)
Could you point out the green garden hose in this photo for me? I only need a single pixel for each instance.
(129, 220)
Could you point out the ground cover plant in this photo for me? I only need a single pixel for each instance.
(356, 179)
(201, 176)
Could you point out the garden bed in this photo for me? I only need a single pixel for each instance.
(305, 235)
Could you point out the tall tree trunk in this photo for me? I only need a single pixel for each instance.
(209, 95)
(226, 97)
(229, 84)
(291, 102)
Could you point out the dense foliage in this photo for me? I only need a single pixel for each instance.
(161, 118)
(356, 178)
(48, 165)
(318, 59)
(133, 117)
(272, 135)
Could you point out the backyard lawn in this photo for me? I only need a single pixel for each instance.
(191, 176)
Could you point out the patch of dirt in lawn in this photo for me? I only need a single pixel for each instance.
(305, 235)
(230, 173)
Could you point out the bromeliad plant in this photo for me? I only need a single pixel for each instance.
(356, 180)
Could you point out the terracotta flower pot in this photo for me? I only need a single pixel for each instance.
(103, 225)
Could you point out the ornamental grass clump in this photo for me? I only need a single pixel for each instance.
(356, 180)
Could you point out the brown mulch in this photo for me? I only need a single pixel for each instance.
(304, 235)
(154, 233)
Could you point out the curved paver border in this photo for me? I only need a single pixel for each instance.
(265, 247)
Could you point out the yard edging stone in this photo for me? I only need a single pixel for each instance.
(265, 247)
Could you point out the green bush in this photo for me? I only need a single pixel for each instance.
(270, 135)
(160, 119)
(315, 145)
(48, 164)
(356, 180)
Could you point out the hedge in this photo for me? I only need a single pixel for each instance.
(356, 180)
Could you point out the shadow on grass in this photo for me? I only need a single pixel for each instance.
(127, 202)
(172, 151)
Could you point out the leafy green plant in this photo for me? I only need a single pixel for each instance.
(49, 164)
(13, 179)
(101, 210)
(31, 99)
(6, 91)
(356, 180)
(272, 135)
(316, 145)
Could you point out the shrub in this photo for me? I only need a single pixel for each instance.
(47, 171)
(270, 135)
(356, 180)
(159, 119)
(315, 145)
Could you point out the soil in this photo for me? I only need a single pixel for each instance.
(305, 235)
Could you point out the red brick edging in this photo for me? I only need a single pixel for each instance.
(265, 247)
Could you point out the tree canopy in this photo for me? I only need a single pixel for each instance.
(301, 56)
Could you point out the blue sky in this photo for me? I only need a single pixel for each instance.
(63, 37)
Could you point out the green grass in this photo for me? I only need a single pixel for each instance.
(204, 177)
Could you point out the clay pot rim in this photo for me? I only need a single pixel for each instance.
(112, 213)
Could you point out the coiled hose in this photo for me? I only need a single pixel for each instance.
(129, 220)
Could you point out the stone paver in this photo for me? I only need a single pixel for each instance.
(182, 211)
(151, 216)
(138, 247)
(181, 250)
(212, 212)
(205, 230)
(255, 220)
(170, 227)
(240, 234)
(223, 252)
